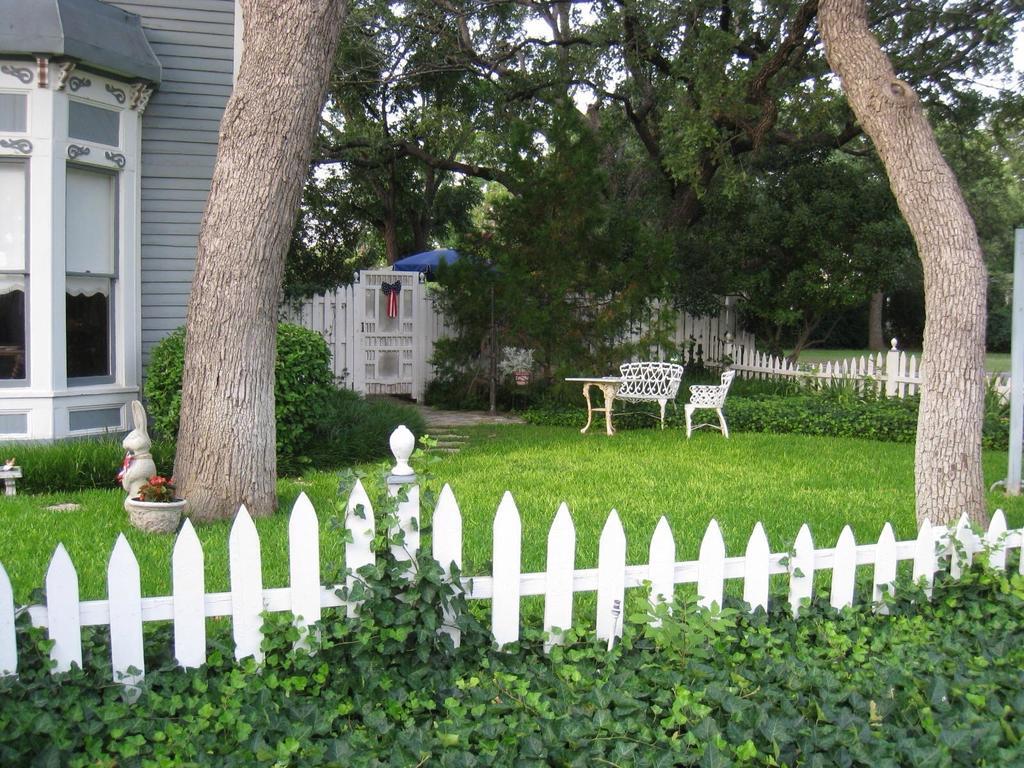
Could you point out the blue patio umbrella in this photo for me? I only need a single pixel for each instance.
(426, 262)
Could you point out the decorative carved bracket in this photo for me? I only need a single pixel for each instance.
(140, 97)
(66, 68)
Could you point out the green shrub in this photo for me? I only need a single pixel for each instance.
(75, 465)
(829, 412)
(302, 376)
(351, 429)
(163, 383)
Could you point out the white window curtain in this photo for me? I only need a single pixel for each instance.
(12, 216)
(11, 283)
(88, 286)
(90, 215)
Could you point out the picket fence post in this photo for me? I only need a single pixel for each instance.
(446, 549)
(189, 589)
(246, 574)
(611, 579)
(844, 570)
(892, 369)
(506, 556)
(711, 567)
(304, 567)
(961, 557)
(662, 561)
(801, 570)
(995, 541)
(360, 524)
(65, 629)
(885, 567)
(124, 590)
(8, 640)
(561, 563)
(925, 559)
(755, 569)
(406, 536)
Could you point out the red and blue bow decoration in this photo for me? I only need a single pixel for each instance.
(391, 290)
(125, 466)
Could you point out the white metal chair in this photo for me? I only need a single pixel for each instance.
(650, 382)
(705, 396)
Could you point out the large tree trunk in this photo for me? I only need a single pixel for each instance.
(226, 443)
(876, 336)
(948, 456)
(391, 236)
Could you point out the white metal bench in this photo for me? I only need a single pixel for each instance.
(650, 382)
(709, 396)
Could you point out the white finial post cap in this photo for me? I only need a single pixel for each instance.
(402, 444)
(893, 342)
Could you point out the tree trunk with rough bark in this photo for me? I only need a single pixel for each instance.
(948, 454)
(876, 335)
(226, 443)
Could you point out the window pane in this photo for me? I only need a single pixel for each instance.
(12, 112)
(90, 222)
(12, 216)
(88, 326)
(12, 327)
(91, 123)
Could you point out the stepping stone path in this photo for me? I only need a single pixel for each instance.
(448, 440)
(448, 426)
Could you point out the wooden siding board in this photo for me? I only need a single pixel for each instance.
(194, 41)
(161, 109)
(195, 85)
(165, 9)
(185, 64)
(203, 52)
(156, 209)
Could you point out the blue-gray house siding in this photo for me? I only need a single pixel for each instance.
(194, 41)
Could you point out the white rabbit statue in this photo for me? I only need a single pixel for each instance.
(138, 462)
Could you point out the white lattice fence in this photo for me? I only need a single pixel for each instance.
(125, 610)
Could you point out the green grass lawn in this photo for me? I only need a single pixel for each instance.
(995, 362)
(781, 480)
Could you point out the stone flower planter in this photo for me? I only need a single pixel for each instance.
(155, 516)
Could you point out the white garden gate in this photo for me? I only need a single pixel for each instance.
(380, 330)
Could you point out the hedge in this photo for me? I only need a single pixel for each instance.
(889, 420)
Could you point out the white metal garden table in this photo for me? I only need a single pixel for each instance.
(609, 386)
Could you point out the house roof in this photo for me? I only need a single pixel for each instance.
(94, 33)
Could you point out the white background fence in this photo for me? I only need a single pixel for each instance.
(349, 320)
(894, 374)
(125, 610)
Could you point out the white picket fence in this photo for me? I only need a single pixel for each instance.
(125, 610)
(895, 374)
